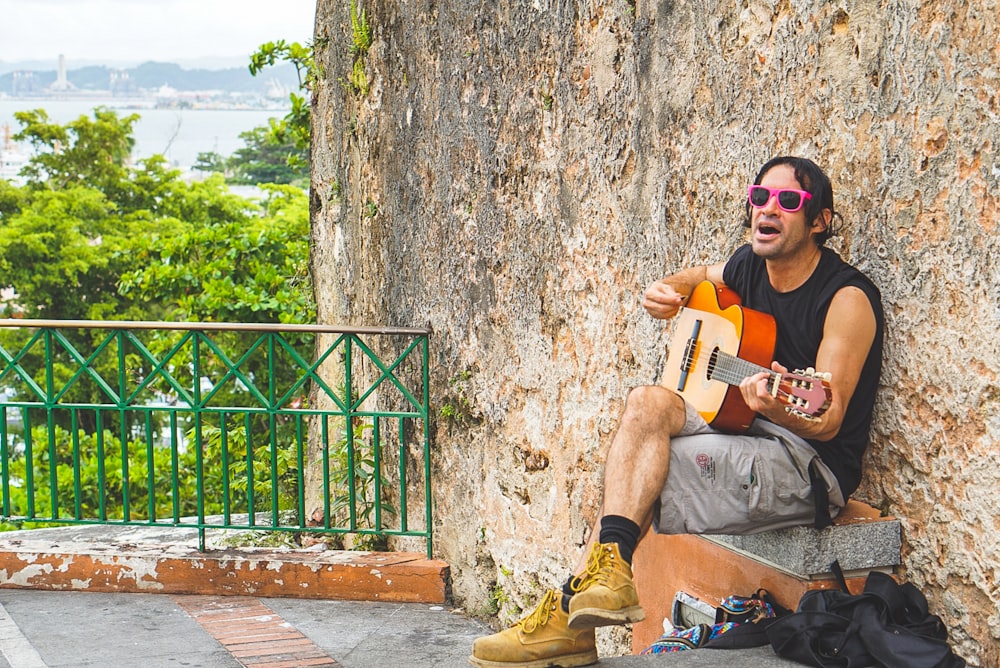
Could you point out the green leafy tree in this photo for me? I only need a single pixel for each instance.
(145, 244)
(211, 162)
(249, 265)
(295, 127)
(64, 251)
(277, 152)
(262, 159)
(265, 159)
(93, 480)
(85, 152)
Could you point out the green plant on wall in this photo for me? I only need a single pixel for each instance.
(356, 483)
(361, 40)
(294, 128)
(456, 406)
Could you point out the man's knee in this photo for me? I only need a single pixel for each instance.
(655, 404)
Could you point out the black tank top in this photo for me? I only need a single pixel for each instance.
(800, 316)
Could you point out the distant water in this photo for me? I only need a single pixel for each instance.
(177, 134)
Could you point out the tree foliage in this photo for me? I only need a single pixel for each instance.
(86, 151)
(242, 267)
(295, 127)
(110, 241)
(91, 479)
(91, 237)
(262, 159)
(277, 152)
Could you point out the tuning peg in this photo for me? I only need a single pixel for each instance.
(813, 373)
(799, 414)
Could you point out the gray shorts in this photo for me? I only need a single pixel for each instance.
(739, 484)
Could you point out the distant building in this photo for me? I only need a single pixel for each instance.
(23, 83)
(61, 83)
(121, 83)
(12, 159)
(167, 97)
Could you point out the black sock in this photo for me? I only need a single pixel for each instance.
(567, 592)
(621, 530)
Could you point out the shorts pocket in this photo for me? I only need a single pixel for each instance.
(760, 500)
(724, 505)
(780, 493)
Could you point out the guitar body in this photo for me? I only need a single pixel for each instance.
(714, 320)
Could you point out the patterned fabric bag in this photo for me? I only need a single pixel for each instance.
(736, 625)
(690, 638)
(743, 609)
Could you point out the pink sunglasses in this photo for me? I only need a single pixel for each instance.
(789, 199)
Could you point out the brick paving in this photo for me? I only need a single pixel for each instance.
(254, 634)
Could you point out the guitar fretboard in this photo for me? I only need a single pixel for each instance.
(731, 369)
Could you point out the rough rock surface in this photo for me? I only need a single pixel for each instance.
(515, 173)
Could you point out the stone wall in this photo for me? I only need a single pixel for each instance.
(515, 174)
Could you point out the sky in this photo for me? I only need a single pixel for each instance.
(135, 31)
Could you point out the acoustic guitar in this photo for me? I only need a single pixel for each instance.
(716, 343)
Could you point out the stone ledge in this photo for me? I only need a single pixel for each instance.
(41, 560)
(859, 540)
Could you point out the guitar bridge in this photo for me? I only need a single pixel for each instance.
(690, 355)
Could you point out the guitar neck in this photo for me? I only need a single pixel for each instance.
(732, 370)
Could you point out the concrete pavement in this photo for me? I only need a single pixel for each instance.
(119, 597)
(88, 629)
(49, 629)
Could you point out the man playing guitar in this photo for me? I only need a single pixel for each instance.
(668, 468)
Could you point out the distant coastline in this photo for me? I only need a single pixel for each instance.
(168, 84)
(162, 99)
(178, 134)
(183, 112)
(203, 63)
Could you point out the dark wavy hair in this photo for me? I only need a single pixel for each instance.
(815, 182)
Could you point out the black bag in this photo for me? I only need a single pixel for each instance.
(887, 626)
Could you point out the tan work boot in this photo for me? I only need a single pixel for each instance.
(540, 640)
(606, 593)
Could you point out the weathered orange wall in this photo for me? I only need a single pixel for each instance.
(519, 171)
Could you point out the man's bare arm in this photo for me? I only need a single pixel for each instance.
(848, 334)
(665, 297)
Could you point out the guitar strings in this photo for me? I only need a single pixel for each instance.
(731, 371)
(729, 363)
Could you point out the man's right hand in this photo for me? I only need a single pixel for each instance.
(662, 301)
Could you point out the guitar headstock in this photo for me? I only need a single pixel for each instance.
(805, 392)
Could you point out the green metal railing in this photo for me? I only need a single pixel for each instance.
(294, 428)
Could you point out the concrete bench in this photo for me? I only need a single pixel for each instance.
(687, 576)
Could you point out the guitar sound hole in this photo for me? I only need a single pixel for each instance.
(713, 359)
